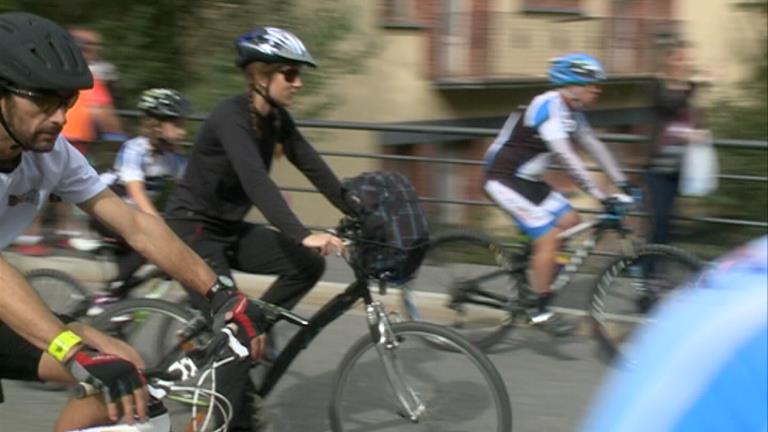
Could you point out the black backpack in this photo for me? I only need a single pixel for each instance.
(392, 228)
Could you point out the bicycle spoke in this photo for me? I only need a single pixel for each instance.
(443, 391)
(630, 288)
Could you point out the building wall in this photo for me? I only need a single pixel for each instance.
(722, 33)
(396, 85)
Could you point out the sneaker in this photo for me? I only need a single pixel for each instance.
(551, 323)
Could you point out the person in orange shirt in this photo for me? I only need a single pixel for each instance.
(93, 116)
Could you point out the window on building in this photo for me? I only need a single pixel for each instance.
(399, 13)
(552, 6)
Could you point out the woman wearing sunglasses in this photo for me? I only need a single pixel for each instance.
(228, 173)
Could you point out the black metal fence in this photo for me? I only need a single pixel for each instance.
(492, 132)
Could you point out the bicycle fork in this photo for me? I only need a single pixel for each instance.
(386, 343)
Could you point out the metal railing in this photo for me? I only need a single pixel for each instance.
(491, 132)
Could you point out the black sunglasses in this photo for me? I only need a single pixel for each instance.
(46, 101)
(291, 74)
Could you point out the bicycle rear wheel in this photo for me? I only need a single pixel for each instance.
(459, 390)
(631, 286)
(464, 284)
(63, 294)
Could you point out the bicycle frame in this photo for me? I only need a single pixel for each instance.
(330, 311)
(596, 227)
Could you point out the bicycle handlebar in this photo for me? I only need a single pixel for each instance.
(223, 347)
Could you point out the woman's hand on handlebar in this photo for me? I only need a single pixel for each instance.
(325, 243)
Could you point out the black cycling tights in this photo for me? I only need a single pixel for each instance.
(255, 249)
(252, 249)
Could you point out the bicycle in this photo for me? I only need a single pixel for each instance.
(412, 390)
(198, 365)
(66, 295)
(487, 286)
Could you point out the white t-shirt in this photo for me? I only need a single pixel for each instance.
(25, 190)
(138, 161)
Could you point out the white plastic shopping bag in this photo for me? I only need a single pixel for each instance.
(700, 167)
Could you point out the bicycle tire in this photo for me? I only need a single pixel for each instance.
(630, 286)
(127, 318)
(63, 294)
(452, 260)
(452, 394)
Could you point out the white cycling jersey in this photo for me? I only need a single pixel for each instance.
(24, 191)
(138, 160)
(525, 145)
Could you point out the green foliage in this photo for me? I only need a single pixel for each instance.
(188, 44)
(742, 115)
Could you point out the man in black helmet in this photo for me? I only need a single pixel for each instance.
(41, 72)
(228, 174)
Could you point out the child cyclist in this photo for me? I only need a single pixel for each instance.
(516, 160)
(145, 169)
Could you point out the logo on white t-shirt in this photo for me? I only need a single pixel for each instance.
(32, 196)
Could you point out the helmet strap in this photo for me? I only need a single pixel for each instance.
(265, 94)
(8, 130)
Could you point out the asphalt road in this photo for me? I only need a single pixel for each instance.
(550, 381)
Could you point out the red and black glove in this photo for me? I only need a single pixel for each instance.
(112, 376)
(230, 305)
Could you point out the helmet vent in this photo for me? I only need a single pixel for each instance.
(36, 54)
(59, 55)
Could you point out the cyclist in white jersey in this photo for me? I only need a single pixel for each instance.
(521, 153)
(145, 170)
(41, 73)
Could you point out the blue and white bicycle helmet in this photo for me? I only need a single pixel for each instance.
(272, 45)
(576, 69)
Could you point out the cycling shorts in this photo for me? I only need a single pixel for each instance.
(532, 204)
(19, 359)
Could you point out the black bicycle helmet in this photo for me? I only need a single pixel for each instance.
(39, 54)
(271, 45)
(164, 103)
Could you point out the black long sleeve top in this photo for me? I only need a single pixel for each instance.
(228, 170)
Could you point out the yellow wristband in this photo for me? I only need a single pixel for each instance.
(62, 344)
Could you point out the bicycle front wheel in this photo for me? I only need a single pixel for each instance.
(456, 390)
(631, 286)
(464, 284)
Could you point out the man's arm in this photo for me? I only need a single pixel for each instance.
(600, 152)
(572, 162)
(151, 237)
(24, 311)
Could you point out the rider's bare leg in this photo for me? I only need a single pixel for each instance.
(545, 249)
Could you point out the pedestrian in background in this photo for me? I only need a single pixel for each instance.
(675, 125)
